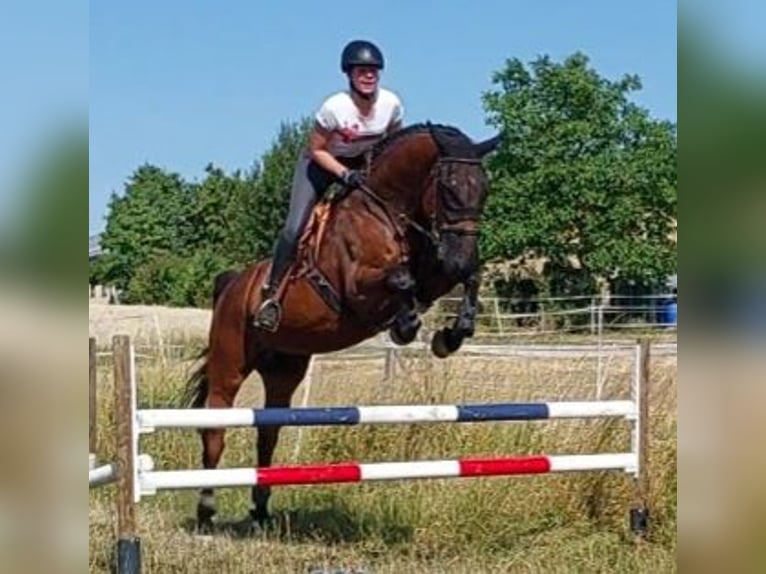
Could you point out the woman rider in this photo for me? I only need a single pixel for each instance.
(347, 124)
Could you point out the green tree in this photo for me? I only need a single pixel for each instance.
(219, 215)
(150, 220)
(166, 239)
(584, 179)
(177, 280)
(272, 191)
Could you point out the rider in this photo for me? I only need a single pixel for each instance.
(347, 124)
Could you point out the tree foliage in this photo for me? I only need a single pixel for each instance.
(220, 215)
(151, 220)
(272, 192)
(166, 238)
(585, 179)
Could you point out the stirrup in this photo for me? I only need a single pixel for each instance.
(269, 315)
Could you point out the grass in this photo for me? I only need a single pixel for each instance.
(549, 523)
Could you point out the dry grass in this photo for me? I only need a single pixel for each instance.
(550, 523)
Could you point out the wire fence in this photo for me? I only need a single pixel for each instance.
(589, 314)
(180, 333)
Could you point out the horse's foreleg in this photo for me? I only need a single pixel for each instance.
(465, 322)
(448, 340)
(407, 322)
(281, 376)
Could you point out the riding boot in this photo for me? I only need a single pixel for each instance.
(270, 312)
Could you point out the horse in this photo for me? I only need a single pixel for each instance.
(379, 259)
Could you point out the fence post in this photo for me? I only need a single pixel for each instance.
(92, 403)
(128, 543)
(593, 316)
(389, 364)
(639, 513)
(497, 317)
(600, 320)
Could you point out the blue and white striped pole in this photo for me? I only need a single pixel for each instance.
(152, 419)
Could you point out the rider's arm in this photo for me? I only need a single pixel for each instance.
(397, 118)
(318, 140)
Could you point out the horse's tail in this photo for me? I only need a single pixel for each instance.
(197, 384)
(221, 281)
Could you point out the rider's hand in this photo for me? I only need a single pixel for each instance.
(352, 179)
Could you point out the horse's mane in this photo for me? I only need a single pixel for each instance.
(440, 132)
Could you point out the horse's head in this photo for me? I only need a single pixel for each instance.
(434, 175)
(455, 200)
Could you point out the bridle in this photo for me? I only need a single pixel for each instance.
(444, 219)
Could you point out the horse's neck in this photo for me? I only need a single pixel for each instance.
(402, 178)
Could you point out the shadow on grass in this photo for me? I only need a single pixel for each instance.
(329, 525)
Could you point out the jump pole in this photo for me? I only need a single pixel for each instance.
(130, 485)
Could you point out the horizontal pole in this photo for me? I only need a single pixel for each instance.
(107, 473)
(102, 475)
(152, 419)
(355, 472)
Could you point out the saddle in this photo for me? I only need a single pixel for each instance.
(307, 253)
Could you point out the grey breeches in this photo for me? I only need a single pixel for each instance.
(310, 182)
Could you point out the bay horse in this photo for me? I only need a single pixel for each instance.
(388, 250)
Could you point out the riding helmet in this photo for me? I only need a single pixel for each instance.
(361, 53)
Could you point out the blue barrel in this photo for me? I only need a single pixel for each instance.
(669, 314)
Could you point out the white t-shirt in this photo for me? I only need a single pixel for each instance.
(352, 133)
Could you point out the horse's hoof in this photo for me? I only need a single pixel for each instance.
(439, 345)
(204, 527)
(404, 335)
(205, 519)
(396, 336)
(445, 342)
(261, 520)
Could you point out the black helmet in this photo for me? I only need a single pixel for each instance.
(361, 53)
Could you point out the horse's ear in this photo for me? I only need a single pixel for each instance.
(483, 148)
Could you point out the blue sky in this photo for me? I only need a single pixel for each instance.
(180, 84)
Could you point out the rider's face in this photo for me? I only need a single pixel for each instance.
(365, 78)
